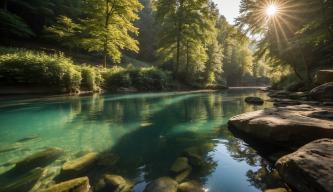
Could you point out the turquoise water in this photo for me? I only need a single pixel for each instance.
(146, 131)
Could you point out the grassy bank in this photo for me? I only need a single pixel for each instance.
(22, 67)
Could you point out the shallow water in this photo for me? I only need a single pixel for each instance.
(147, 131)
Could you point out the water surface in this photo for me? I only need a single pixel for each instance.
(146, 131)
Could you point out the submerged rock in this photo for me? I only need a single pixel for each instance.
(254, 100)
(183, 175)
(24, 182)
(310, 168)
(291, 126)
(74, 185)
(277, 190)
(179, 165)
(115, 183)
(323, 92)
(190, 186)
(40, 159)
(163, 184)
(196, 155)
(79, 165)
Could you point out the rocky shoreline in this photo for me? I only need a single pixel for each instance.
(300, 123)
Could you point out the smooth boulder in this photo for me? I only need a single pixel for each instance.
(74, 185)
(183, 175)
(116, 183)
(323, 92)
(291, 126)
(163, 184)
(179, 165)
(190, 186)
(324, 76)
(277, 190)
(310, 168)
(254, 100)
(80, 164)
(39, 159)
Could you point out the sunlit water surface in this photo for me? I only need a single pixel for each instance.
(147, 131)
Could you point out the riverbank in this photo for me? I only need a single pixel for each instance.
(301, 126)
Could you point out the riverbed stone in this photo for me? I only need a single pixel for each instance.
(117, 183)
(179, 165)
(75, 185)
(323, 92)
(183, 175)
(324, 76)
(24, 182)
(277, 190)
(190, 186)
(254, 100)
(39, 159)
(163, 184)
(79, 165)
(291, 126)
(310, 168)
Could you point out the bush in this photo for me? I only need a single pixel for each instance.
(143, 79)
(115, 78)
(23, 67)
(148, 79)
(91, 78)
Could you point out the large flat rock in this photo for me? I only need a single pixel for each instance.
(310, 168)
(291, 126)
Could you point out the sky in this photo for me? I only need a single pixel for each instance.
(228, 8)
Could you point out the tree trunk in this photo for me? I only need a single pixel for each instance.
(176, 68)
(187, 57)
(179, 35)
(106, 40)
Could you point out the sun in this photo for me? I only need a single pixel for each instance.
(271, 10)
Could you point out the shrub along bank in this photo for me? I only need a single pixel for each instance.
(60, 74)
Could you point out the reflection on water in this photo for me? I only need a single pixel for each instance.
(146, 131)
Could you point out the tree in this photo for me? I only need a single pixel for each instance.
(11, 24)
(66, 32)
(108, 27)
(148, 32)
(214, 63)
(184, 28)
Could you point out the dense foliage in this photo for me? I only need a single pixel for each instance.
(142, 79)
(23, 67)
(55, 71)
